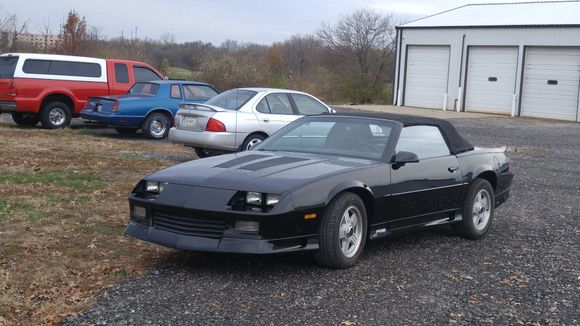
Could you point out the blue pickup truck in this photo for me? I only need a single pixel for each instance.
(149, 106)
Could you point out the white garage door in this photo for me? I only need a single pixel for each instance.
(551, 80)
(427, 74)
(491, 79)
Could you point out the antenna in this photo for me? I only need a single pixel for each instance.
(236, 123)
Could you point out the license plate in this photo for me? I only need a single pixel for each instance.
(188, 122)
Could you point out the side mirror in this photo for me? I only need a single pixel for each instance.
(332, 110)
(402, 158)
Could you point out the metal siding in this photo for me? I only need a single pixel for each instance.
(483, 95)
(539, 99)
(427, 76)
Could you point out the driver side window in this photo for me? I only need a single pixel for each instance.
(425, 141)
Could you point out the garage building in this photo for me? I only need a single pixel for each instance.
(519, 59)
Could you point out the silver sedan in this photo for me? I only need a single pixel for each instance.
(240, 118)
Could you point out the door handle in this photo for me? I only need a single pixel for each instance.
(266, 120)
(452, 169)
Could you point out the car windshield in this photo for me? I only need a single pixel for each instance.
(144, 89)
(233, 99)
(342, 136)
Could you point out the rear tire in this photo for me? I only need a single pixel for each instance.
(477, 211)
(157, 126)
(343, 232)
(251, 141)
(55, 115)
(126, 131)
(25, 119)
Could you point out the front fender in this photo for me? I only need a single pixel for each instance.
(349, 185)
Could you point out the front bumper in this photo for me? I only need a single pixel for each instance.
(112, 119)
(223, 244)
(227, 141)
(7, 107)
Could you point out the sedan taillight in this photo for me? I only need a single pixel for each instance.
(115, 107)
(215, 125)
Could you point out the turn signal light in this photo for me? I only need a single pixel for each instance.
(215, 125)
(309, 216)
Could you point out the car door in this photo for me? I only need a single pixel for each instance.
(175, 98)
(275, 111)
(427, 189)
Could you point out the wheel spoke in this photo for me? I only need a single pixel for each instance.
(345, 246)
(354, 239)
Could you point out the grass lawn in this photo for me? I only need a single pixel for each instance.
(63, 209)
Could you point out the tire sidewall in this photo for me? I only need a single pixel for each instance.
(331, 227)
(149, 121)
(469, 228)
(251, 139)
(45, 116)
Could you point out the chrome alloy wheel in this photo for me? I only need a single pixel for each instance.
(350, 232)
(253, 143)
(57, 116)
(158, 127)
(481, 211)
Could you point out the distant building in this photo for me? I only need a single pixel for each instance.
(520, 59)
(39, 40)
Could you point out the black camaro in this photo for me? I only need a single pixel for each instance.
(325, 183)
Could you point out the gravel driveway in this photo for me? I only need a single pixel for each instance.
(525, 271)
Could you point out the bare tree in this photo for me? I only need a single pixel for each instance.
(167, 39)
(300, 52)
(365, 35)
(11, 28)
(46, 33)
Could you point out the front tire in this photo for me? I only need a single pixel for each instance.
(343, 232)
(477, 211)
(56, 115)
(25, 119)
(157, 126)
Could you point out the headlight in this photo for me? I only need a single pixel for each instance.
(154, 186)
(272, 200)
(254, 201)
(254, 198)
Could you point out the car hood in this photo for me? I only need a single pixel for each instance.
(271, 172)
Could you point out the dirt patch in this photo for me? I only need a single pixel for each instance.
(63, 208)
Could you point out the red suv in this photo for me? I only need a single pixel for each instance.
(54, 88)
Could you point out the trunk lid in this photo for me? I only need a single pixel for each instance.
(194, 116)
(102, 104)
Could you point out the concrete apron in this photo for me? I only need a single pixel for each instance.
(419, 111)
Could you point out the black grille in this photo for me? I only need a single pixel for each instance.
(189, 225)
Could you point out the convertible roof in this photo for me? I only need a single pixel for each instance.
(457, 144)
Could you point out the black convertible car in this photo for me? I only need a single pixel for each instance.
(325, 183)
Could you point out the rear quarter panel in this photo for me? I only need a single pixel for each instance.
(473, 164)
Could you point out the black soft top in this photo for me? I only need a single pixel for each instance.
(457, 144)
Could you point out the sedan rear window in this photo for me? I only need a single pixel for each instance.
(7, 66)
(144, 89)
(233, 99)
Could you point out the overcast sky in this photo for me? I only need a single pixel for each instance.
(258, 21)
